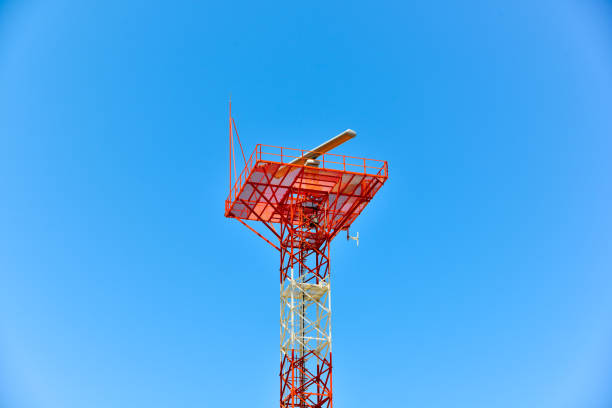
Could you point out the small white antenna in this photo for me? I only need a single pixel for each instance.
(355, 238)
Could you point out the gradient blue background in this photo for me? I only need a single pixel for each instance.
(483, 277)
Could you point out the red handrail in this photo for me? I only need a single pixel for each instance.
(378, 168)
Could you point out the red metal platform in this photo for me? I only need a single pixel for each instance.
(264, 189)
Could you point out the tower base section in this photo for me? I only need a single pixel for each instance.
(305, 381)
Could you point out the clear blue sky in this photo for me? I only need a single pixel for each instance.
(483, 276)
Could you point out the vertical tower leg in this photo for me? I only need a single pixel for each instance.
(305, 367)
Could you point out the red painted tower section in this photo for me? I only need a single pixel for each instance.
(303, 199)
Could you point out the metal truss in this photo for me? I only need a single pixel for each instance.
(305, 312)
(303, 207)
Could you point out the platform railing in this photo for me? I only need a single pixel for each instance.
(284, 155)
(360, 165)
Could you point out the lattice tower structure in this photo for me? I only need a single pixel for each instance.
(303, 204)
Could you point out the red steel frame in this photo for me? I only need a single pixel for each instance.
(305, 372)
(310, 204)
